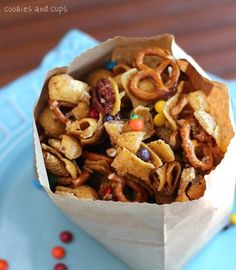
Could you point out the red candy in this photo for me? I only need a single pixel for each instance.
(108, 190)
(93, 113)
(136, 124)
(60, 266)
(58, 252)
(66, 237)
(3, 264)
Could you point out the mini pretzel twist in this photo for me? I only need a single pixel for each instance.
(190, 146)
(151, 51)
(173, 79)
(78, 181)
(161, 88)
(158, 91)
(54, 105)
(120, 182)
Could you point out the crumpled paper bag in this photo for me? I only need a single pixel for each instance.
(149, 236)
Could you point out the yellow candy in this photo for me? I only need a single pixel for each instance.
(159, 120)
(159, 106)
(233, 218)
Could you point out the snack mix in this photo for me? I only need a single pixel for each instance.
(135, 130)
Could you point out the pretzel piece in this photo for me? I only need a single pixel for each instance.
(157, 92)
(56, 105)
(78, 181)
(120, 182)
(190, 146)
(161, 89)
(151, 51)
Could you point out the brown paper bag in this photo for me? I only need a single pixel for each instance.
(149, 236)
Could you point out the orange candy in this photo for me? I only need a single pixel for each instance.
(3, 264)
(58, 252)
(136, 124)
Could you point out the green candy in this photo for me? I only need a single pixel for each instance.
(133, 116)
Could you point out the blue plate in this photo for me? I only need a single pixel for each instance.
(30, 223)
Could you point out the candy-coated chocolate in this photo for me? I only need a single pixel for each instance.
(3, 264)
(233, 218)
(93, 113)
(108, 118)
(108, 190)
(110, 65)
(133, 116)
(66, 236)
(159, 106)
(143, 154)
(136, 124)
(60, 266)
(159, 120)
(58, 252)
